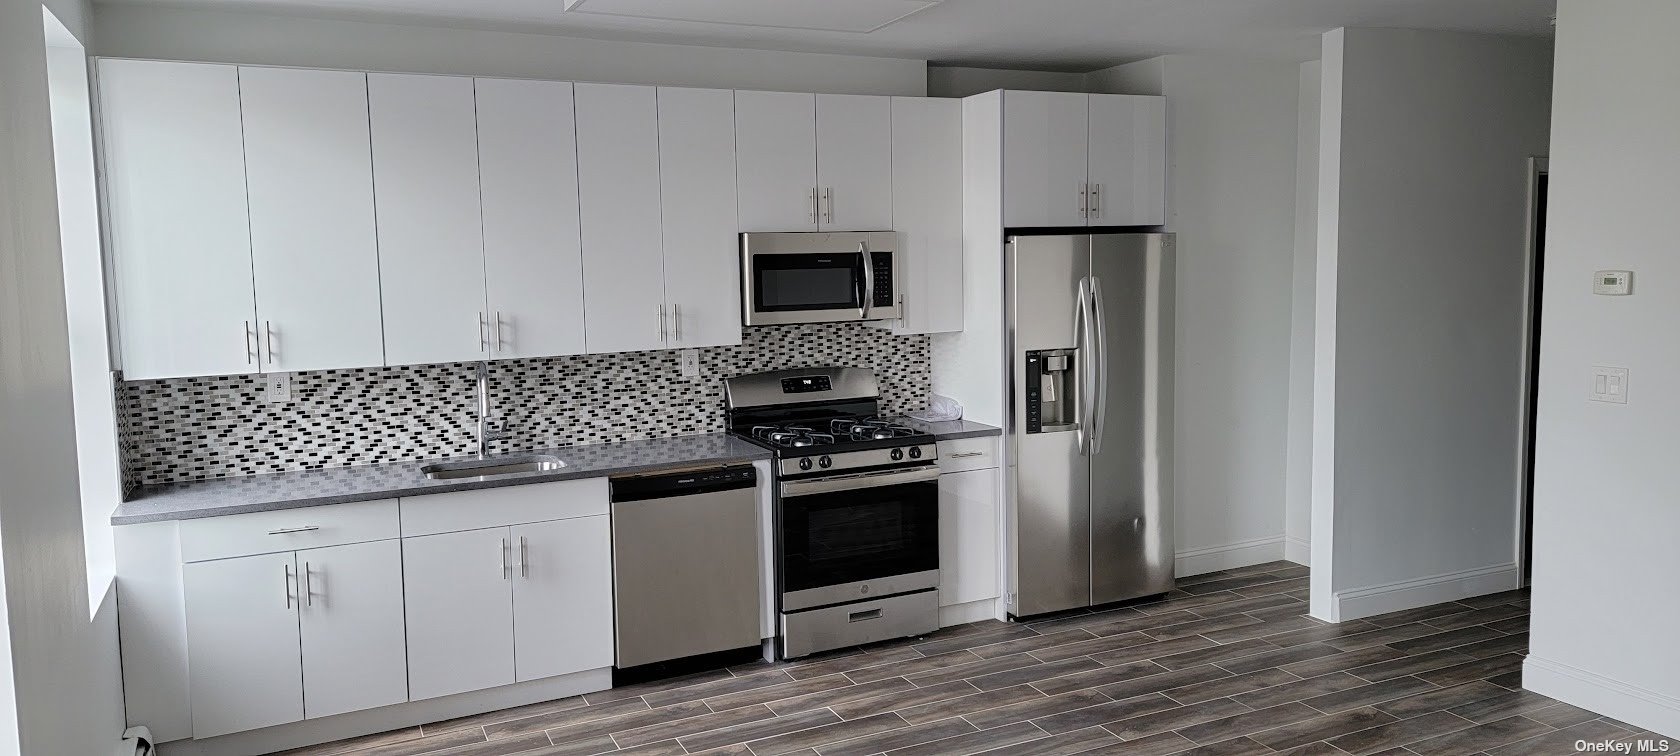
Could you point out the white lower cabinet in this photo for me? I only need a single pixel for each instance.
(562, 597)
(242, 643)
(351, 628)
(459, 605)
(968, 536)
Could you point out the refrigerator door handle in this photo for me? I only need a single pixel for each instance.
(1099, 367)
(1085, 366)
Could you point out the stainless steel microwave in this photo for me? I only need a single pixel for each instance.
(819, 277)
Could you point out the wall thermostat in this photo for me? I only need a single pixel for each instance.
(1613, 283)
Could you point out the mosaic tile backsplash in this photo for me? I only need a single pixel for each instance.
(198, 428)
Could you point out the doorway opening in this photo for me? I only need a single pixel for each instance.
(1538, 184)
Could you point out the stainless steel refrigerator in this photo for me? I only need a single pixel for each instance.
(1091, 365)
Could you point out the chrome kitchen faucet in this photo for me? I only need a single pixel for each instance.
(490, 426)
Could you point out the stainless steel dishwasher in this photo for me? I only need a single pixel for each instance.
(685, 564)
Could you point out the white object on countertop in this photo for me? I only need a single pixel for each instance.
(940, 409)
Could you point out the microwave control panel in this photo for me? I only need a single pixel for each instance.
(884, 289)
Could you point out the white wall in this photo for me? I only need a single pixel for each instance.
(141, 31)
(1606, 518)
(1422, 200)
(1231, 130)
(62, 692)
(1297, 517)
(962, 81)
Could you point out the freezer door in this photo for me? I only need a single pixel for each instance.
(1052, 542)
(1132, 551)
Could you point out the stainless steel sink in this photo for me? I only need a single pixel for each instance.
(492, 467)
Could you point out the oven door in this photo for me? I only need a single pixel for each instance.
(861, 536)
(818, 278)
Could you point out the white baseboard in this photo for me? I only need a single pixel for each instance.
(962, 614)
(1229, 556)
(1649, 709)
(1298, 550)
(1434, 589)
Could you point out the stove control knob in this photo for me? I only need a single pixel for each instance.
(897, 454)
(805, 464)
(824, 462)
(915, 452)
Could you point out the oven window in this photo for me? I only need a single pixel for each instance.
(805, 282)
(864, 534)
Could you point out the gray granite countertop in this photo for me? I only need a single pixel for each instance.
(953, 429)
(308, 488)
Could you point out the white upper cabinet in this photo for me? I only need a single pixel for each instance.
(776, 160)
(697, 213)
(175, 189)
(533, 268)
(618, 171)
(1044, 164)
(314, 252)
(350, 620)
(854, 163)
(927, 212)
(431, 246)
(1127, 160)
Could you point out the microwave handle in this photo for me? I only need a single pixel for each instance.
(868, 280)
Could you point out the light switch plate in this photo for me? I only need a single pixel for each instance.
(1610, 384)
(690, 362)
(278, 386)
(1613, 283)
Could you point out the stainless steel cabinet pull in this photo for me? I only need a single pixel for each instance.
(498, 331)
(250, 354)
(1084, 200)
(828, 202)
(967, 454)
(524, 563)
(663, 333)
(501, 553)
(676, 309)
(813, 205)
(483, 333)
(1096, 200)
(268, 335)
(308, 591)
(288, 586)
(303, 529)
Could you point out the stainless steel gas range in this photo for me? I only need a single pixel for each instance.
(857, 507)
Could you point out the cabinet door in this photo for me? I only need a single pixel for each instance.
(1127, 160)
(351, 624)
(431, 247)
(458, 600)
(618, 182)
(927, 194)
(314, 254)
(697, 212)
(776, 160)
(242, 643)
(175, 189)
(562, 597)
(968, 542)
(533, 267)
(854, 162)
(1044, 159)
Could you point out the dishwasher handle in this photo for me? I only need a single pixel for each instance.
(688, 482)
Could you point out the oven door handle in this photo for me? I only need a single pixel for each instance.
(860, 480)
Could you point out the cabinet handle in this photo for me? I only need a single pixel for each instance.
(288, 586)
(501, 553)
(813, 205)
(1084, 200)
(498, 332)
(304, 529)
(1096, 200)
(268, 336)
(967, 454)
(662, 331)
(250, 354)
(828, 201)
(524, 563)
(676, 310)
(483, 333)
(308, 591)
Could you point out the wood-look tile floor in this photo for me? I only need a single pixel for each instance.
(1228, 664)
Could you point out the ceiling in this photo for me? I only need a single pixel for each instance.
(1066, 35)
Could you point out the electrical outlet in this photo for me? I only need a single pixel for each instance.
(278, 386)
(690, 359)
